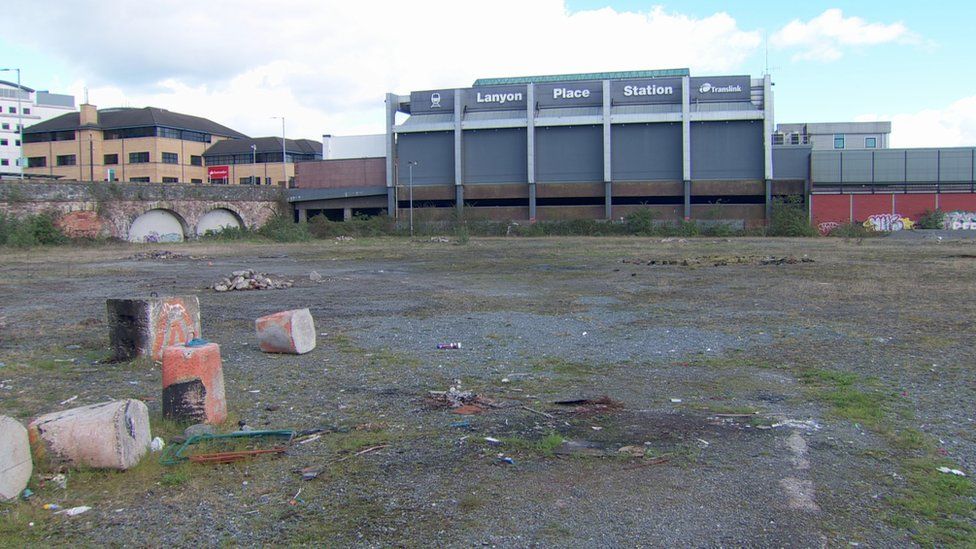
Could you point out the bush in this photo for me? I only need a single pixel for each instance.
(789, 218)
(853, 230)
(640, 222)
(360, 225)
(282, 229)
(228, 233)
(29, 231)
(931, 219)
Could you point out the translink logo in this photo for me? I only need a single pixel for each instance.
(709, 88)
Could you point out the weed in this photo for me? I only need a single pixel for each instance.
(546, 446)
(30, 231)
(931, 219)
(282, 229)
(936, 507)
(789, 218)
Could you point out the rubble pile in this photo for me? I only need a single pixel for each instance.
(721, 261)
(248, 279)
(162, 254)
(454, 397)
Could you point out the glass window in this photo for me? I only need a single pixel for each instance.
(37, 162)
(196, 160)
(4, 142)
(838, 141)
(26, 110)
(171, 180)
(171, 158)
(12, 110)
(870, 142)
(66, 160)
(5, 126)
(17, 142)
(139, 158)
(111, 159)
(197, 181)
(139, 179)
(4, 162)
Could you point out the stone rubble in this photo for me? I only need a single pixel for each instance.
(248, 279)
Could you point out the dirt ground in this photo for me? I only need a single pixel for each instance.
(760, 392)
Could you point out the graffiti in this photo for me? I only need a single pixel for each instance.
(826, 227)
(154, 237)
(888, 222)
(174, 325)
(960, 221)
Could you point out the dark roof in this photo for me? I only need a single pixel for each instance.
(111, 119)
(615, 75)
(14, 85)
(264, 145)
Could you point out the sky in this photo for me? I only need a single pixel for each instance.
(326, 65)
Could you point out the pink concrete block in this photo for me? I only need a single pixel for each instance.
(287, 332)
(15, 458)
(110, 435)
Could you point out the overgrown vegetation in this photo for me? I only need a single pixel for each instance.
(789, 218)
(853, 230)
(931, 219)
(281, 228)
(30, 231)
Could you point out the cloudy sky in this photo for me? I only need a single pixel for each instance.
(325, 65)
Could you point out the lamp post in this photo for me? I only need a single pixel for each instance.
(284, 168)
(254, 162)
(20, 122)
(410, 166)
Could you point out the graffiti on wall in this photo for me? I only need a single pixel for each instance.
(960, 221)
(153, 236)
(888, 222)
(826, 227)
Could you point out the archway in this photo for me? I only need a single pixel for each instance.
(157, 225)
(218, 220)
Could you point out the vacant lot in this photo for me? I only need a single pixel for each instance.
(753, 398)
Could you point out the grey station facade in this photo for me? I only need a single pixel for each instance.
(586, 146)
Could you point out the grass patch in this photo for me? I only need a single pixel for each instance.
(545, 446)
(562, 367)
(937, 508)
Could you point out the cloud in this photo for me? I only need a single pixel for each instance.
(326, 65)
(952, 126)
(825, 37)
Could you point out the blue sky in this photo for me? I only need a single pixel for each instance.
(325, 65)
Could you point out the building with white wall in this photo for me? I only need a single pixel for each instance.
(839, 136)
(23, 106)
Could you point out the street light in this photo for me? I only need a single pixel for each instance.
(410, 166)
(254, 161)
(20, 123)
(284, 169)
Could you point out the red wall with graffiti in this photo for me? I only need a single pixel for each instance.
(837, 208)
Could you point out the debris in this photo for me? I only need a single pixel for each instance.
(443, 346)
(198, 429)
(456, 398)
(312, 438)
(550, 416)
(371, 449)
(504, 379)
(197, 342)
(27, 493)
(580, 448)
(111, 435)
(15, 458)
(343, 238)
(143, 327)
(467, 410)
(180, 454)
(193, 384)
(636, 451)
(947, 470)
(66, 401)
(314, 276)
(440, 239)
(596, 428)
(162, 254)
(676, 401)
(75, 511)
(51, 507)
(61, 480)
(702, 441)
(493, 441)
(310, 473)
(584, 406)
(506, 460)
(720, 261)
(290, 332)
(157, 444)
(72, 347)
(248, 279)
(463, 424)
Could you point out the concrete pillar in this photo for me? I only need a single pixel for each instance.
(608, 200)
(459, 199)
(302, 214)
(391, 108)
(768, 128)
(532, 213)
(607, 154)
(769, 200)
(143, 326)
(685, 129)
(286, 332)
(687, 192)
(110, 435)
(347, 214)
(530, 137)
(458, 150)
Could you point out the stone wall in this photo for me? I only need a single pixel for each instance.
(108, 209)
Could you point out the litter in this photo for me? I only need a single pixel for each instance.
(51, 507)
(60, 480)
(947, 470)
(550, 416)
(197, 342)
(311, 439)
(449, 345)
(493, 441)
(506, 459)
(75, 511)
(596, 428)
(67, 401)
(467, 410)
(676, 401)
(585, 406)
(157, 444)
(462, 424)
(27, 493)
(173, 457)
(310, 473)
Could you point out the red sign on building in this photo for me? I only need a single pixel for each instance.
(218, 172)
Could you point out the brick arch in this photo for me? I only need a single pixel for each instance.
(234, 214)
(180, 218)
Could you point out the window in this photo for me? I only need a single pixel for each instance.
(66, 160)
(12, 110)
(37, 162)
(138, 158)
(171, 158)
(5, 126)
(267, 180)
(838, 141)
(4, 142)
(17, 142)
(4, 162)
(196, 160)
(26, 110)
(196, 181)
(139, 179)
(111, 159)
(171, 180)
(870, 142)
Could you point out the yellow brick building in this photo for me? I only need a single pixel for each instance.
(123, 144)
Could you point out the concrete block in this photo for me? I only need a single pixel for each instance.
(110, 435)
(287, 332)
(15, 458)
(144, 326)
(193, 384)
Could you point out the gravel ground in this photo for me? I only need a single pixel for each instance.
(688, 352)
